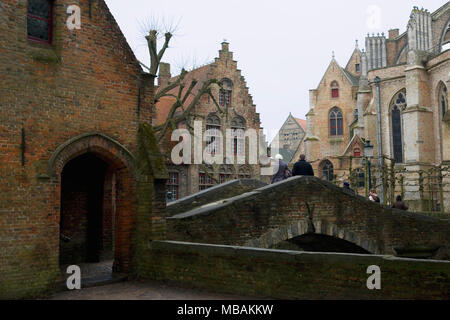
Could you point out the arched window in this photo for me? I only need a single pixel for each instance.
(357, 152)
(334, 89)
(336, 122)
(397, 106)
(40, 20)
(225, 93)
(327, 170)
(213, 134)
(443, 102)
(445, 42)
(238, 131)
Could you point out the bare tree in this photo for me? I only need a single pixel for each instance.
(180, 90)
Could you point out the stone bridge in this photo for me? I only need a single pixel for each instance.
(306, 213)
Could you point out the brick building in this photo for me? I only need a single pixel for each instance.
(239, 115)
(71, 102)
(413, 68)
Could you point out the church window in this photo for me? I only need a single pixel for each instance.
(40, 20)
(327, 170)
(398, 105)
(336, 122)
(443, 100)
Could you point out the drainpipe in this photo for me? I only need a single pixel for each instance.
(380, 141)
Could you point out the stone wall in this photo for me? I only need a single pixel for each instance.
(294, 275)
(301, 205)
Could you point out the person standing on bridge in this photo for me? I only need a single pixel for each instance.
(400, 204)
(283, 171)
(302, 167)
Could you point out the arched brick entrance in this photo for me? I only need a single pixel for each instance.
(94, 188)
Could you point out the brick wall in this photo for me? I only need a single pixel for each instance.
(294, 275)
(85, 92)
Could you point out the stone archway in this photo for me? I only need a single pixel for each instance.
(322, 228)
(93, 176)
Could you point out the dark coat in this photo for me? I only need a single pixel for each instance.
(302, 168)
(281, 173)
(400, 205)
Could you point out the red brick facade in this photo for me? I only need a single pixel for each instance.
(81, 95)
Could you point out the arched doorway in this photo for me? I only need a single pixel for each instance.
(95, 188)
(86, 229)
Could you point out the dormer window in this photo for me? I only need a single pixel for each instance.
(357, 67)
(334, 90)
(40, 20)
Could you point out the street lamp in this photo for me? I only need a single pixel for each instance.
(368, 153)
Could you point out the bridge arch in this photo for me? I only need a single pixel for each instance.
(303, 227)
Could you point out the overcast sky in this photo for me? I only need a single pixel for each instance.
(283, 47)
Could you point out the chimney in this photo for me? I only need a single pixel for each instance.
(225, 46)
(164, 74)
(393, 33)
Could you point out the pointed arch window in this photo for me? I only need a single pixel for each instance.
(336, 122)
(398, 105)
(443, 102)
(213, 134)
(327, 170)
(334, 89)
